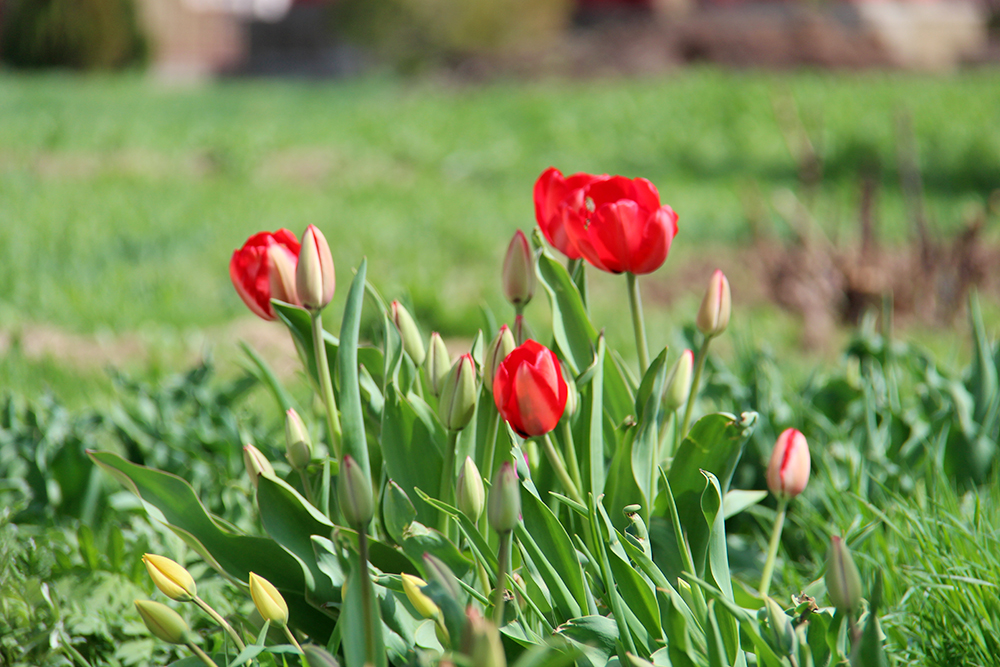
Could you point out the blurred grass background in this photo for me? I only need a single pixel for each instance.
(123, 199)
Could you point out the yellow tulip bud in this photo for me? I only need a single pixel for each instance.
(270, 605)
(423, 604)
(170, 577)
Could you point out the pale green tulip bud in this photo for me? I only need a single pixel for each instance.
(282, 274)
(270, 604)
(423, 604)
(713, 316)
(297, 441)
(470, 495)
(170, 577)
(438, 363)
(781, 630)
(458, 395)
(572, 393)
(519, 271)
(316, 656)
(440, 573)
(481, 642)
(413, 343)
(315, 280)
(504, 505)
(502, 345)
(843, 581)
(163, 622)
(256, 464)
(679, 382)
(354, 490)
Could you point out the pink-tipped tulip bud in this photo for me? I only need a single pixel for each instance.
(256, 464)
(270, 604)
(788, 470)
(438, 363)
(282, 274)
(413, 343)
(713, 316)
(470, 495)
(354, 490)
(843, 581)
(297, 442)
(519, 271)
(504, 505)
(170, 577)
(315, 281)
(458, 395)
(163, 622)
(502, 345)
(679, 382)
(481, 641)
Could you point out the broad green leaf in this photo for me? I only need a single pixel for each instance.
(737, 500)
(619, 388)
(571, 327)
(589, 439)
(717, 655)
(352, 419)
(353, 619)
(621, 487)
(397, 511)
(718, 562)
(300, 327)
(596, 637)
(412, 445)
(418, 540)
(476, 542)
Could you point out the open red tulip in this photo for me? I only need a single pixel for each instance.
(555, 196)
(529, 389)
(264, 268)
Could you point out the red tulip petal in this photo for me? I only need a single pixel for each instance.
(653, 245)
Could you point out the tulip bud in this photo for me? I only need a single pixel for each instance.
(315, 280)
(413, 343)
(713, 316)
(481, 642)
(788, 470)
(519, 271)
(256, 464)
(270, 605)
(679, 382)
(297, 442)
(423, 604)
(502, 345)
(504, 505)
(316, 656)
(843, 582)
(470, 495)
(438, 363)
(354, 490)
(572, 393)
(439, 572)
(458, 395)
(163, 622)
(782, 633)
(170, 577)
(282, 275)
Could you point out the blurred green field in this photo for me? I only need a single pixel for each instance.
(122, 199)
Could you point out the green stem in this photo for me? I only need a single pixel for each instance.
(307, 488)
(326, 384)
(635, 302)
(571, 460)
(491, 444)
(366, 597)
(772, 547)
(217, 617)
(446, 493)
(201, 655)
(702, 354)
(560, 469)
(503, 558)
(295, 643)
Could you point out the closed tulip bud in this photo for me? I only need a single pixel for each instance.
(163, 622)
(782, 633)
(413, 343)
(354, 490)
(788, 470)
(297, 441)
(270, 605)
(282, 274)
(316, 656)
(256, 463)
(470, 495)
(502, 345)
(679, 382)
(438, 363)
(481, 641)
(173, 580)
(843, 581)
(519, 271)
(713, 316)
(423, 604)
(439, 572)
(315, 280)
(529, 390)
(504, 505)
(572, 393)
(458, 395)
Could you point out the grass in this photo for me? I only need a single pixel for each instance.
(123, 199)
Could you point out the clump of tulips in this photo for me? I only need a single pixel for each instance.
(530, 499)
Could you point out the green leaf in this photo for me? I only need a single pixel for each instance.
(572, 329)
(412, 445)
(596, 637)
(353, 618)
(353, 442)
(263, 372)
(397, 511)
(475, 541)
(716, 647)
(983, 376)
(737, 500)
(590, 441)
(300, 326)
(718, 560)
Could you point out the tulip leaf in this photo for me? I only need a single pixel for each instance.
(397, 511)
(353, 442)
(418, 540)
(412, 444)
(572, 329)
(589, 439)
(354, 623)
(476, 542)
(619, 388)
(300, 326)
(621, 488)
(596, 637)
(265, 374)
(718, 560)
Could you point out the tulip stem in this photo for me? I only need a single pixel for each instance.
(635, 301)
(326, 383)
(448, 478)
(307, 487)
(201, 655)
(499, 593)
(366, 597)
(571, 460)
(772, 547)
(294, 641)
(560, 469)
(217, 617)
(693, 395)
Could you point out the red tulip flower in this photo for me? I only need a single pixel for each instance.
(618, 225)
(529, 389)
(788, 469)
(264, 268)
(555, 196)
